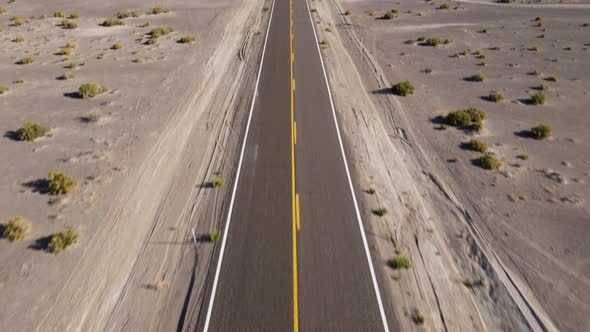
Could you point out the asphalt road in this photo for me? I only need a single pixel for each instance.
(274, 276)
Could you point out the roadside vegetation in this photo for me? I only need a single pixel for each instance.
(400, 262)
(3, 89)
(17, 229)
(216, 183)
(62, 240)
(403, 88)
(214, 236)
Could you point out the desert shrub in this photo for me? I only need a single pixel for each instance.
(538, 98)
(117, 46)
(69, 24)
(59, 14)
(535, 73)
(538, 18)
(445, 6)
(421, 39)
(159, 10)
(552, 79)
(481, 56)
(160, 31)
(380, 212)
(433, 41)
(347, 12)
(371, 191)
(465, 52)
(74, 16)
(542, 87)
(496, 96)
(3, 89)
(523, 156)
(72, 65)
(265, 8)
(62, 240)
(91, 90)
(186, 39)
(214, 236)
(16, 21)
(17, 229)
(388, 16)
(490, 161)
(19, 81)
(535, 49)
(217, 183)
(484, 30)
(541, 131)
(30, 131)
(109, 22)
(479, 77)
(67, 76)
(403, 88)
(2, 11)
(129, 13)
(145, 24)
(72, 45)
(476, 145)
(471, 117)
(18, 40)
(417, 316)
(151, 41)
(60, 184)
(400, 262)
(65, 51)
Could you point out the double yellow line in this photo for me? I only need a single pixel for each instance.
(294, 196)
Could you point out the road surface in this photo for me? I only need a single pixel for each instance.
(293, 255)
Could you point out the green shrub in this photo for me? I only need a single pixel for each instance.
(17, 21)
(73, 16)
(471, 117)
(160, 31)
(72, 65)
(541, 131)
(151, 41)
(538, 98)
(158, 10)
(535, 49)
(417, 316)
(538, 18)
(421, 39)
(479, 77)
(62, 240)
(217, 183)
(2, 11)
(129, 13)
(214, 236)
(17, 229)
(59, 14)
(60, 184)
(186, 39)
(65, 51)
(19, 81)
(476, 145)
(400, 262)
(433, 41)
(30, 131)
(72, 45)
(490, 161)
(3, 89)
(145, 24)
(18, 40)
(403, 88)
(523, 156)
(496, 96)
(265, 8)
(109, 22)
(69, 24)
(388, 16)
(67, 76)
(552, 79)
(91, 90)
(445, 6)
(117, 46)
(380, 212)
(542, 87)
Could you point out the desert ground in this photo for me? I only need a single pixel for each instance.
(143, 154)
(503, 249)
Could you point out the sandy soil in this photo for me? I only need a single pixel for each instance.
(142, 154)
(518, 235)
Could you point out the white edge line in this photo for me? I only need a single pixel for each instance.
(233, 196)
(356, 208)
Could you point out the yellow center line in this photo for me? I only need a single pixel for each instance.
(294, 198)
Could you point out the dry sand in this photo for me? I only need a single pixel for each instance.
(142, 153)
(518, 235)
